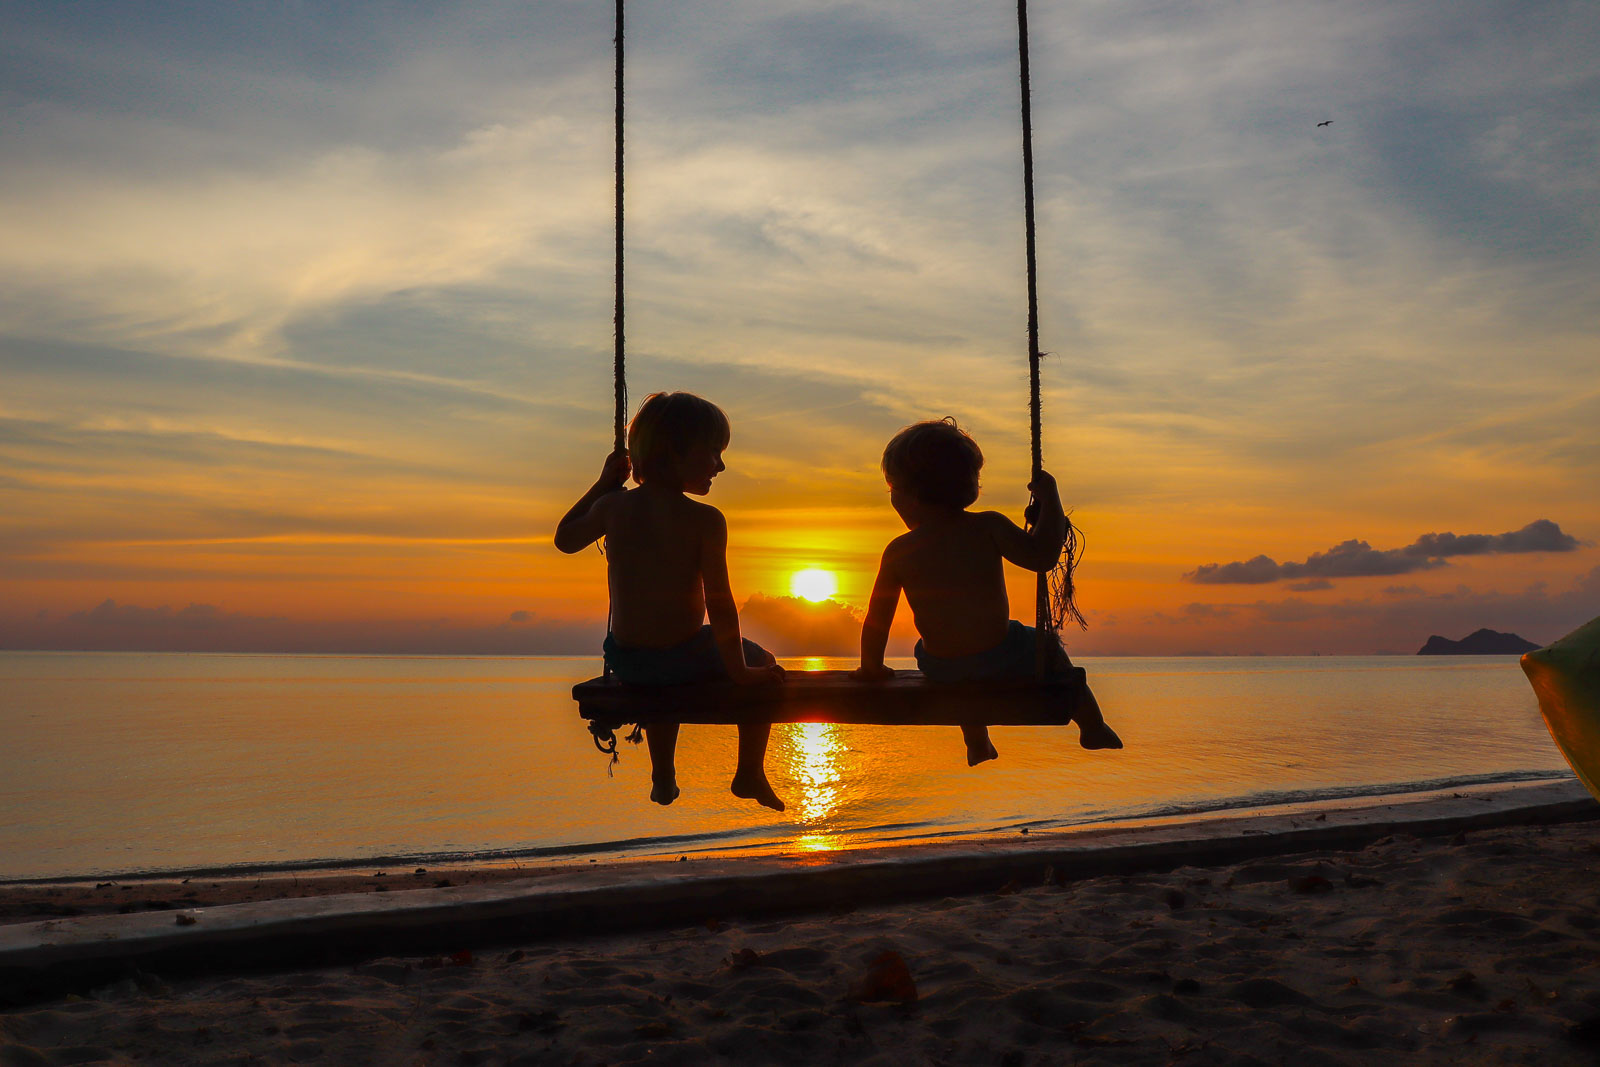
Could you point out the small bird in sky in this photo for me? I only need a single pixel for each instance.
(1328, 122)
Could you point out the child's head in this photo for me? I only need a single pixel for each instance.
(667, 429)
(935, 462)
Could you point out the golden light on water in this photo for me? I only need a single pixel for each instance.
(816, 756)
(813, 584)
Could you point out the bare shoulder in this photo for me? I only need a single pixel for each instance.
(896, 554)
(611, 503)
(705, 517)
(996, 522)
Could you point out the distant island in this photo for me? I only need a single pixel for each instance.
(1481, 643)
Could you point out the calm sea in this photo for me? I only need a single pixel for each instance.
(129, 762)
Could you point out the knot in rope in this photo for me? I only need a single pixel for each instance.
(605, 739)
(604, 736)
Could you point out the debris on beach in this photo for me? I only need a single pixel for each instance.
(743, 960)
(1310, 883)
(887, 979)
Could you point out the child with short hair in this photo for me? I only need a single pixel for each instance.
(667, 566)
(949, 564)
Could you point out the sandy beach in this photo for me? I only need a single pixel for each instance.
(1482, 947)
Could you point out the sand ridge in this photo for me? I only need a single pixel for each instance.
(131, 896)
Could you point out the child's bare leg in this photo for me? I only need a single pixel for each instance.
(1093, 731)
(750, 777)
(661, 738)
(979, 748)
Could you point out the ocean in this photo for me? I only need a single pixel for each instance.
(135, 764)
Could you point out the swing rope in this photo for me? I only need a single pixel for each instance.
(619, 430)
(1053, 593)
(1044, 630)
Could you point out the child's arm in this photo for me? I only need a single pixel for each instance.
(721, 610)
(584, 524)
(875, 627)
(1037, 549)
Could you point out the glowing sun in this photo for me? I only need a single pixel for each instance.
(813, 584)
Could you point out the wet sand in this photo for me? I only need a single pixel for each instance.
(1482, 948)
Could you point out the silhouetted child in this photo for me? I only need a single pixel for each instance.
(949, 565)
(666, 561)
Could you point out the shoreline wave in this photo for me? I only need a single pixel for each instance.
(723, 842)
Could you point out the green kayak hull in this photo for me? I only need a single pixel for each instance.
(1566, 678)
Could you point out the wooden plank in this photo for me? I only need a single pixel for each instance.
(832, 696)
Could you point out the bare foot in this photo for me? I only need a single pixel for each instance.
(758, 790)
(1099, 735)
(664, 793)
(981, 753)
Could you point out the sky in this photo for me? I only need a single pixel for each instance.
(305, 310)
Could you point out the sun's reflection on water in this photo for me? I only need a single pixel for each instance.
(816, 753)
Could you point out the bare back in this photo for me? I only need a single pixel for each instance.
(655, 541)
(953, 576)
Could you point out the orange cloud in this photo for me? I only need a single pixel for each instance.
(789, 626)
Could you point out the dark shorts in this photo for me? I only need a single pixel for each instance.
(694, 660)
(1013, 657)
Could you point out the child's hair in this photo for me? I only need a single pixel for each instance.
(666, 426)
(936, 462)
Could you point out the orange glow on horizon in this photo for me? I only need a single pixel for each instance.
(393, 564)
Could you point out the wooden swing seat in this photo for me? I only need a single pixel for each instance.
(907, 699)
